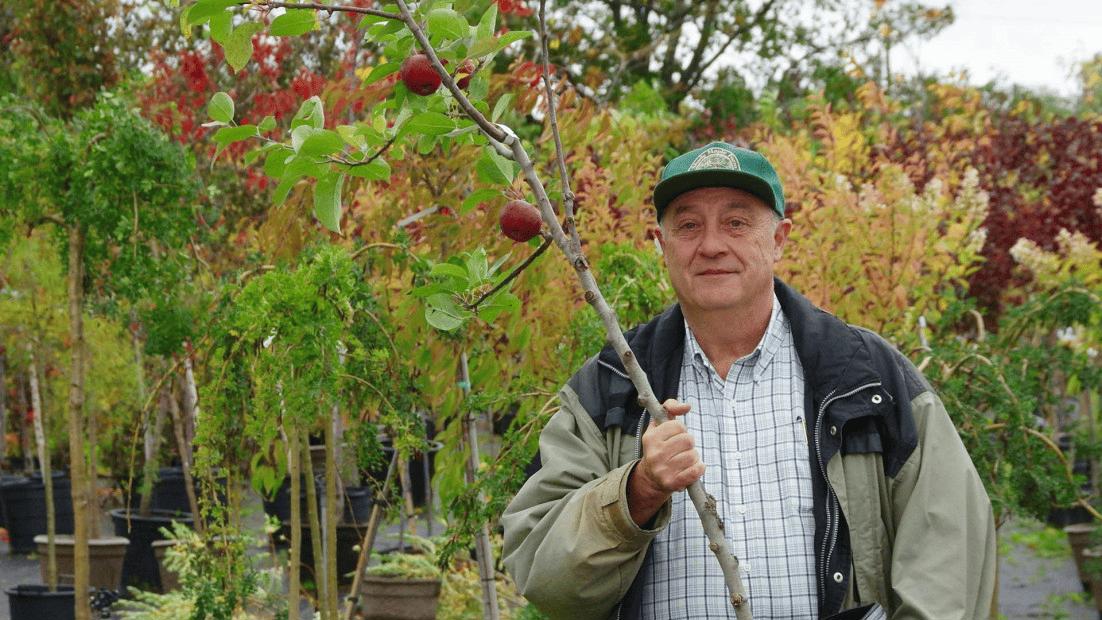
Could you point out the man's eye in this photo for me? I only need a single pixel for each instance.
(687, 226)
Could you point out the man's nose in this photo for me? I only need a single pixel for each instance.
(712, 242)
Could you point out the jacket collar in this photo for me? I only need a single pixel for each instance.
(833, 354)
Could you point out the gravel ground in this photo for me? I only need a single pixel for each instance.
(1037, 576)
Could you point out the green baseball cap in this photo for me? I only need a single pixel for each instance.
(719, 165)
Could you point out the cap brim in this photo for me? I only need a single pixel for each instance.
(671, 188)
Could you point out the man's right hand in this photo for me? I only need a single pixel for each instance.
(670, 463)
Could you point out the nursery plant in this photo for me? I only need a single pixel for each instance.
(85, 168)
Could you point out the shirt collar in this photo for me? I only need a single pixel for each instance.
(758, 359)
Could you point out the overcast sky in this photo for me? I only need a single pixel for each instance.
(1028, 42)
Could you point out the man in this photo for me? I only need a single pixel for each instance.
(839, 476)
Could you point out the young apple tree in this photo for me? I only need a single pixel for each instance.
(436, 51)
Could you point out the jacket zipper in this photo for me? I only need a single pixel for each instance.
(638, 455)
(830, 534)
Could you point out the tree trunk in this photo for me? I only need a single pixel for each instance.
(178, 429)
(79, 486)
(332, 513)
(295, 471)
(47, 475)
(191, 400)
(368, 542)
(152, 432)
(482, 541)
(320, 580)
(26, 435)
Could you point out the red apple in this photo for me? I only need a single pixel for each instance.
(419, 76)
(464, 74)
(520, 221)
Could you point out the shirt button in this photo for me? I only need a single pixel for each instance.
(833, 430)
(838, 577)
(740, 509)
(738, 456)
(746, 567)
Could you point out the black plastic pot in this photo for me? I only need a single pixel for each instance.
(357, 505)
(349, 537)
(139, 568)
(419, 478)
(35, 602)
(279, 506)
(24, 501)
(6, 479)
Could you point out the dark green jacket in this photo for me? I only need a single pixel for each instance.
(902, 518)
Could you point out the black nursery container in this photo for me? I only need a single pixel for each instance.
(139, 568)
(24, 502)
(36, 602)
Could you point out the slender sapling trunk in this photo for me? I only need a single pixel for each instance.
(295, 471)
(368, 542)
(180, 432)
(332, 514)
(44, 467)
(320, 582)
(482, 540)
(82, 609)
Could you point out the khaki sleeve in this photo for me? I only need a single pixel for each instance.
(944, 556)
(570, 543)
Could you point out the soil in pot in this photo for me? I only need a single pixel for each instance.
(36, 602)
(139, 568)
(25, 509)
(390, 598)
(105, 556)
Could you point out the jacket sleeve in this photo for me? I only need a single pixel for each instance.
(944, 555)
(570, 542)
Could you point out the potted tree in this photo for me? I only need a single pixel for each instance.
(404, 584)
(105, 157)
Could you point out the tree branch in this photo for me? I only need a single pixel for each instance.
(512, 274)
(567, 194)
(332, 8)
(492, 131)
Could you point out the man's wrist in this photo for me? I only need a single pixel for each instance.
(644, 499)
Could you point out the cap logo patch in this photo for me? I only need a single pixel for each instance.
(715, 157)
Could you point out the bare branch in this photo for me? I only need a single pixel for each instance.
(332, 8)
(567, 194)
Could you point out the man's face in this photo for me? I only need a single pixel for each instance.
(720, 245)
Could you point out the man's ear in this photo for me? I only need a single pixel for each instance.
(780, 237)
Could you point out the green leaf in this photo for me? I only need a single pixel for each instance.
(221, 26)
(493, 168)
(477, 197)
(430, 124)
(203, 10)
(443, 313)
(267, 124)
(501, 105)
(276, 162)
(379, 72)
(511, 37)
(318, 142)
(239, 45)
(327, 201)
(294, 22)
(488, 23)
(311, 113)
(478, 266)
(502, 302)
(449, 270)
(220, 107)
(229, 135)
(377, 170)
(447, 24)
(352, 136)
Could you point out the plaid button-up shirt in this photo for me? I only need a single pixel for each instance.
(749, 430)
